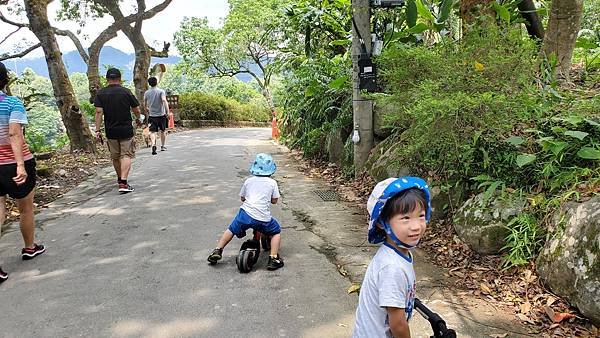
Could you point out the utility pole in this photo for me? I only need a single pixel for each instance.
(362, 109)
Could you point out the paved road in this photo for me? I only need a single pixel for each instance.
(135, 265)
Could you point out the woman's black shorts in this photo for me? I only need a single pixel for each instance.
(156, 123)
(9, 187)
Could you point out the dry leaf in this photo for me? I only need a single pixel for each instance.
(559, 317)
(549, 312)
(353, 288)
(485, 288)
(525, 307)
(524, 318)
(550, 301)
(498, 335)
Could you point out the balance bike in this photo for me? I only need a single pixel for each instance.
(250, 250)
(438, 325)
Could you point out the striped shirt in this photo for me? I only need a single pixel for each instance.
(11, 111)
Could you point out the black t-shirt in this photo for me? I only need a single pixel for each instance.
(116, 101)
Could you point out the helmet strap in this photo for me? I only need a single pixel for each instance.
(395, 239)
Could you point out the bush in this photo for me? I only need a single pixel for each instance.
(201, 106)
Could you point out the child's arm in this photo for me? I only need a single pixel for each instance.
(398, 322)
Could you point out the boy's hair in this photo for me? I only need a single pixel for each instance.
(152, 81)
(403, 203)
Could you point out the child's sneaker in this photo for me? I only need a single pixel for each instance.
(274, 263)
(30, 253)
(3, 276)
(215, 256)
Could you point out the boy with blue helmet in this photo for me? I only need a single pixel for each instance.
(399, 209)
(257, 195)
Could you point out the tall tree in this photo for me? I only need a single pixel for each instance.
(80, 10)
(561, 34)
(143, 52)
(246, 44)
(75, 123)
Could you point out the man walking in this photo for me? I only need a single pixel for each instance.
(116, 104)
(155, 101)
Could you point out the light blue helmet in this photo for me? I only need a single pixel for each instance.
(382, 192)
(263, 165)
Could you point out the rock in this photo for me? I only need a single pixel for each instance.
(335, 145)
(569, 264)
(483, 229)
(43, 170)
(62, 172)
(443, 201)
(385, 161)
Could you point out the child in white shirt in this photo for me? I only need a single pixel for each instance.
(257, 195)
(399, 209)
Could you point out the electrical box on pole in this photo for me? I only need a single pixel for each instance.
(387, 3)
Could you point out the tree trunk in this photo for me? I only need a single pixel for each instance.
(560, 37)
(77, 128)
(533, 23)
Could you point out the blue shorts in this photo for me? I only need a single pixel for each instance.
(243, 222)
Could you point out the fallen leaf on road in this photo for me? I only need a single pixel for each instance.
(559, 317)
(486, 289)
(498, 335)
(353, 288)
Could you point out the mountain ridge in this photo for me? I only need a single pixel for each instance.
(109, 56)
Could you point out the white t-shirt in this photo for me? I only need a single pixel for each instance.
(389, 282)
(258, 192)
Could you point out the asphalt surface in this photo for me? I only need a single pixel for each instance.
(135, 265)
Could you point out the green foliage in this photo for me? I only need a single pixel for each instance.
(524, 241)
(201, 106)
(316, 97)
(457, 100)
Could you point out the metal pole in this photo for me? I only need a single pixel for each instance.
(362, 109)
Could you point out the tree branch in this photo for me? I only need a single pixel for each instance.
(75, 39)
(10, 34)
(21, 54)
(10, 22)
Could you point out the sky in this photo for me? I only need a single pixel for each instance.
(156, 30)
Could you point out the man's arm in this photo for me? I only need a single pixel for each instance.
(15, 133)
(166, 104)
(398, 323)
(99, 113)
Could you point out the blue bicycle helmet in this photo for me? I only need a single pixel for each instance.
(263, 165)
(382, 192)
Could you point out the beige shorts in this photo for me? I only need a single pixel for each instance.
(121, 148)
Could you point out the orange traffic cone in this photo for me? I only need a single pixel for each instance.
(274, 130)
(171, 124)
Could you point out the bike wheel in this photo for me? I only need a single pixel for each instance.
(245, 260)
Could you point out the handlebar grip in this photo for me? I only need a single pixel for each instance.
(438, 325)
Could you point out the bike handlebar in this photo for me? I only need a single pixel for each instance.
(437, 323)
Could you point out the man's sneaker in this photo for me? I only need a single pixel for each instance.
(3, 276)
(125, 188)
(274, 263)
(30, 253)
(163, 148)
(215, 256)
(154, 150)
